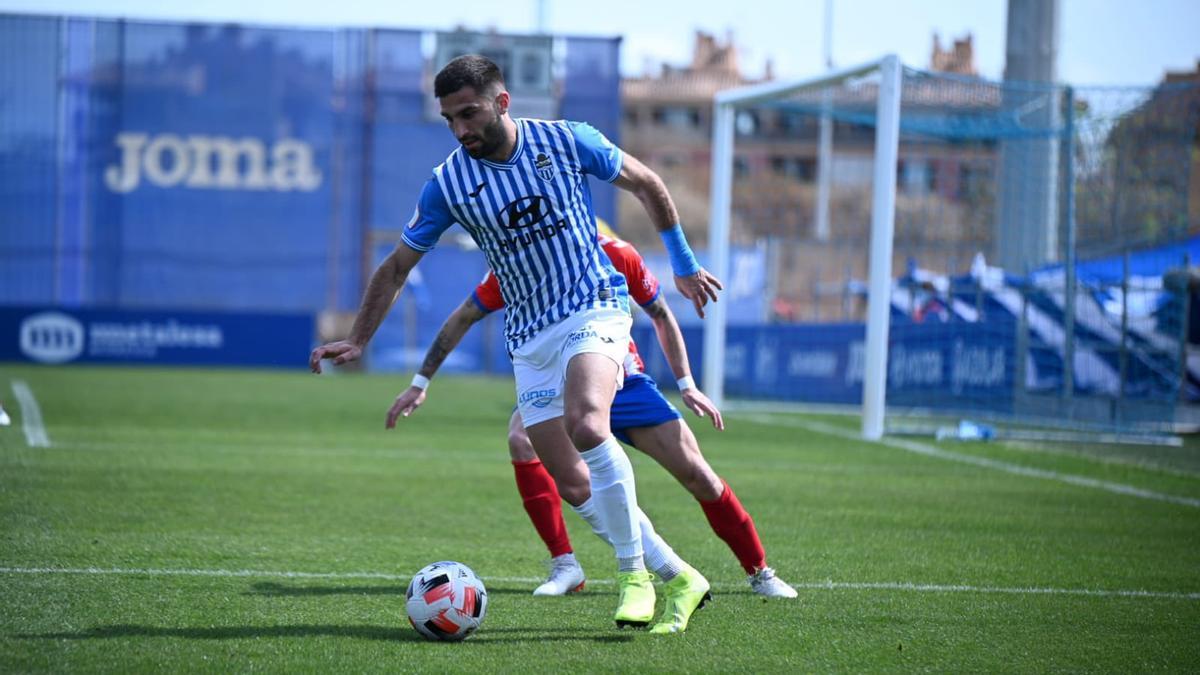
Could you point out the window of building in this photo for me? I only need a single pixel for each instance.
(677, 117)
(794, 123)
(913, 176)
(802, 169)
(973, 180)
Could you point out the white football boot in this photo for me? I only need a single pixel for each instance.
(566, 576)
(765, 583)
(4, 418)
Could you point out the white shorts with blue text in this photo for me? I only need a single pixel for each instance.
(540, 365)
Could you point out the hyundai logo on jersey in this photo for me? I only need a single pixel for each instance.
(524, 212)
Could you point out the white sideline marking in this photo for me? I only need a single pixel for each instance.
(816, 586)
(31, 416)
(1017, 469)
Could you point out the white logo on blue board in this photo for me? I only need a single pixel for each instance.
(51, 337)
(212, 162)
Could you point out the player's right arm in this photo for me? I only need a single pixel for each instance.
(429, 220)
(381, 292)
(451, 333)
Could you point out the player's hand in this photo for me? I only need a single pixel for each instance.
(699, 288)
(700, 404)
(409, 400)
(342, 352)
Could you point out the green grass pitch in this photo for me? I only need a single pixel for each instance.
(230, 521)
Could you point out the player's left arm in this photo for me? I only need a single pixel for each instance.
(451, 333)
(692, 280)
(670, 338)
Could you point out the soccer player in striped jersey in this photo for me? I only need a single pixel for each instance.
(519, 188)
(641, 417)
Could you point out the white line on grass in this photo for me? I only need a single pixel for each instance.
(31, 416)
(1017, 469)
(816, 586)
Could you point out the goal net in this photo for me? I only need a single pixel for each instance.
(935, 245)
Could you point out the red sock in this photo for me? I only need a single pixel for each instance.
(543, 505)
(732, 524)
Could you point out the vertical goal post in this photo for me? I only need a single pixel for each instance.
(887, 134)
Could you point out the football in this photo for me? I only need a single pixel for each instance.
(446, 601)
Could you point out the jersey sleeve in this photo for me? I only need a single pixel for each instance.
(487, 295)
(429, 220)
(643, 285)
(599, 156)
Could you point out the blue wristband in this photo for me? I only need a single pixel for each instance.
(683, 263)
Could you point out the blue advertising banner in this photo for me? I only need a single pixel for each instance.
(935, 365)
(54, 335)
(168, 165)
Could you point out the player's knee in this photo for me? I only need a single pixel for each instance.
(704, 484)
(520, 449)
(575, 494)
(573, 486)
(587, 428)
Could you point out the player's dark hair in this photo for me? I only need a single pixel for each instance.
(469, 70)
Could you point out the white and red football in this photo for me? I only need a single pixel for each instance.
(446, 601)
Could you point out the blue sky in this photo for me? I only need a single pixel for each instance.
(1108, 42)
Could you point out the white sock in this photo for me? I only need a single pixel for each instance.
(616, 499)
(659, 556)
(591, 516)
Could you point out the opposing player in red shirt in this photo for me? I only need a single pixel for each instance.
(640, 416)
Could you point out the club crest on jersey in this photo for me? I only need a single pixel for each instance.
(544, 166)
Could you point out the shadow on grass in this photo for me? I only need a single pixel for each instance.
(385, 633)
(276, 589)
(487, 637)
(389, 633)
(273, 589)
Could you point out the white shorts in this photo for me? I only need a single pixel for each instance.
(540, 365)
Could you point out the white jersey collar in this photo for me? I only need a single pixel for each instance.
(518, 148)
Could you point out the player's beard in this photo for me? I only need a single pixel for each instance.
(491, 138)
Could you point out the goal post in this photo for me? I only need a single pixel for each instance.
(928, 248)
(887, 134)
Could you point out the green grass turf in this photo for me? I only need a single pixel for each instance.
(199, 492)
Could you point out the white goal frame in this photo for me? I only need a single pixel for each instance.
(883, 222)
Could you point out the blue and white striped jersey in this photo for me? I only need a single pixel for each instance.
(532, 217)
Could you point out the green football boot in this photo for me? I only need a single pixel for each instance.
(636, 606)
(685, 594)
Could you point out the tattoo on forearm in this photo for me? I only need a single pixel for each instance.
(657, 310)
(438, 351)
